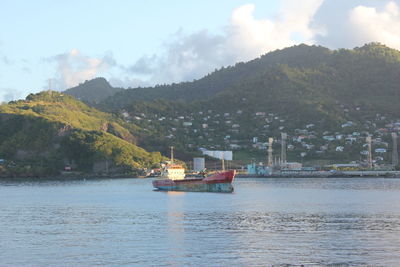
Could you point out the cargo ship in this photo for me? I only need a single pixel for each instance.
(218, 182)
(173, 179)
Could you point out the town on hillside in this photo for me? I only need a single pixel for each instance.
(264, 141)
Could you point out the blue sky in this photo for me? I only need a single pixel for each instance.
(138, 43)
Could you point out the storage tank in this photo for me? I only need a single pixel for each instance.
(198, 164)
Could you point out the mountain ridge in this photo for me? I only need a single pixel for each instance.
(301, 57)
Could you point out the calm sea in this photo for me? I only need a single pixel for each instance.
(122, 222)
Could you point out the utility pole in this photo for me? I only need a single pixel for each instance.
(395, 154)
(369, 140)
(270, 141)
(172, 155)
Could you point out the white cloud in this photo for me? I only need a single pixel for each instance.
(336, 24)
(8, 94)
(74, 67)
(259, 36)
(190, 56)
(127, 82)
(370, 25)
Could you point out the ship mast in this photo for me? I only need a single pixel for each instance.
(172, 155)
(223, 161)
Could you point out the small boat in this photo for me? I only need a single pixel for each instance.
(173, 179)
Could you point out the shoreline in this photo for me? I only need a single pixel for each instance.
(71, 177)
(80, 176)
(344, 174)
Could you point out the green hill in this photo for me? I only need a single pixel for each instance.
(93, 91)
(49, 130)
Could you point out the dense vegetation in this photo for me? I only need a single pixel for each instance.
(363, 76)
(48, 131)
(301, 85)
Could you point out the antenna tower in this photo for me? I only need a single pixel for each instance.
(270, 140)
(49, 80)
(395, 154)
(369, 151)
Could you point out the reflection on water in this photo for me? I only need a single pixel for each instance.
(174, 193)
(175, 226)
(349, 222)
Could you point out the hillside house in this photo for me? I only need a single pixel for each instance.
(350, 140)
(260, 146)
(308, 146)
(324, 147)
(339, 149)
(347, 124)
(125, 115)
(328, 138)
(299, 131)
(339, 136)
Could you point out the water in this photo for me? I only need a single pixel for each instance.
(342, 222)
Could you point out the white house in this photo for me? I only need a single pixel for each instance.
(380, 150)
(328, 138)
(339, 149)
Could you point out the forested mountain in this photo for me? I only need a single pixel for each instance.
(93, 91)
(50, 130)
(300, 75)
(293, 87)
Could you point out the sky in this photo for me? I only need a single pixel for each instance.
(142, 43)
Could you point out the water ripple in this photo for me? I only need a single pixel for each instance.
(284, 222)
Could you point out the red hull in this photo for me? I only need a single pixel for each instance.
(219, 182)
